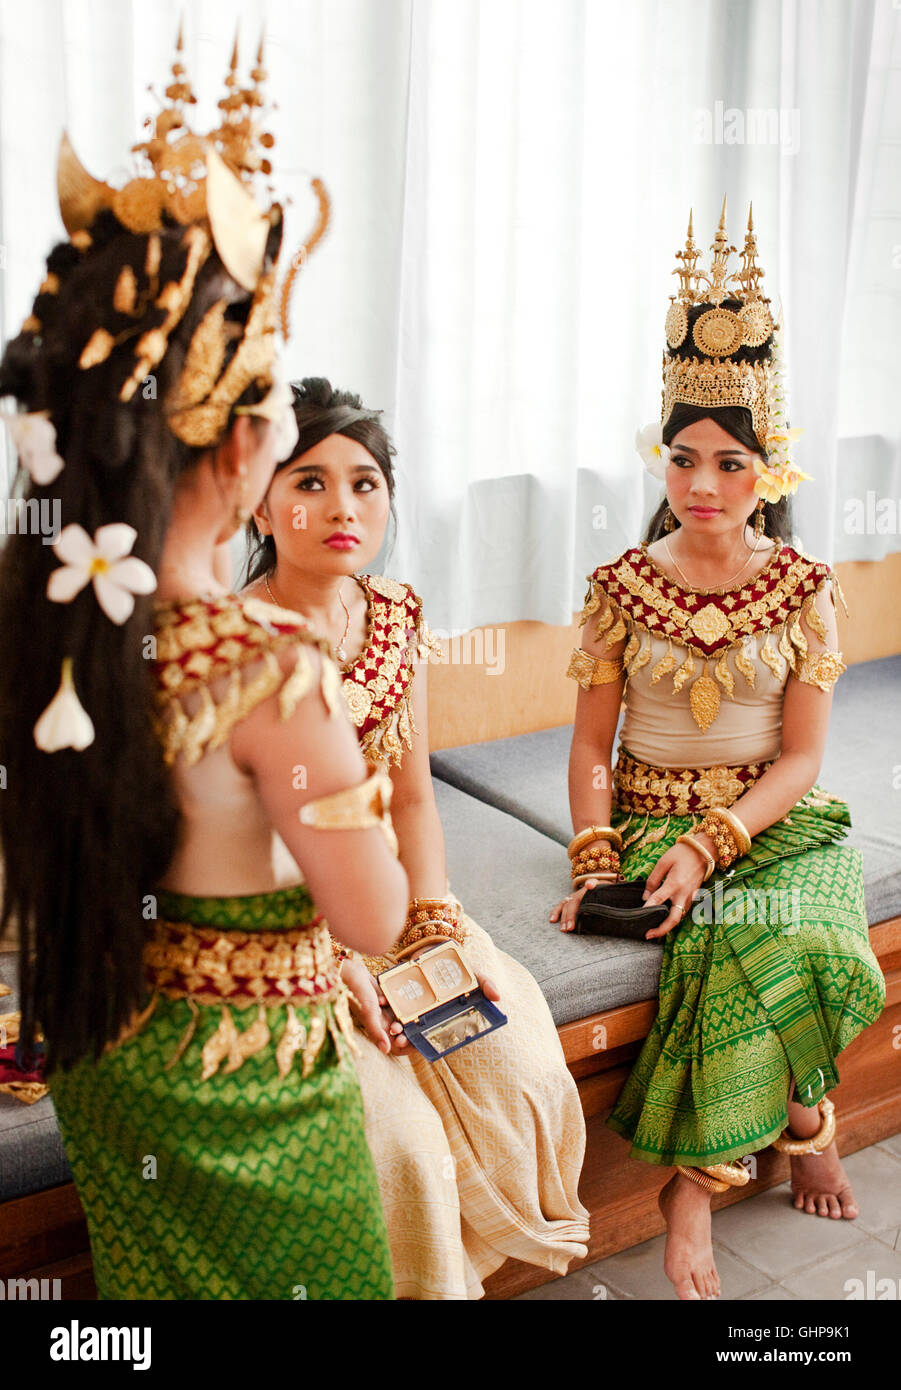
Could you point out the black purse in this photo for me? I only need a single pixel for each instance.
(618, 909)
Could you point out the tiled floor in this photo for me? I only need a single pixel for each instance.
(766, 1250)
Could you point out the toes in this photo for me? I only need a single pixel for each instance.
(849, 1208)
(686, 1291)
(810, 1205)
(835, 1207)
(822, 1204)
(798, 1203)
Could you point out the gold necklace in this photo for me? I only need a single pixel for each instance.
(751, 554)
(340, 651)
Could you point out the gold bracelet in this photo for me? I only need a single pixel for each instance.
(428, 917)
(705, 853)
(723, 839)
(594, 832)
(605, 876)
(590, 860)
(738, 828)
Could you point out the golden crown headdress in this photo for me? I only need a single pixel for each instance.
(707, 364)
(204, 183)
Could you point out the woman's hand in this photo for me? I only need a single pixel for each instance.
(369, 1007)
(565, 913)
(676, 876)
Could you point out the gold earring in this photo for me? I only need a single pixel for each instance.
(669, 520)
(759, 520)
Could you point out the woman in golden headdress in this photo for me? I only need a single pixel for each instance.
(720, 638)
(478, 1154)
(197, 1029)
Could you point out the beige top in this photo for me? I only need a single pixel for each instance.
(659, 727)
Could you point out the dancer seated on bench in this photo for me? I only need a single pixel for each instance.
(479, 1154)
(721, 638)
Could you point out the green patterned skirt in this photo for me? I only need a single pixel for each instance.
(769, 976)
(248, 1185)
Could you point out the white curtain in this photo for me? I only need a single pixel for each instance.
(510, 182)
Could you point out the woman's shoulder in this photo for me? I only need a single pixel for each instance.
(233, 652)
(803, 560)
(635, 555)
(399, 602)
(392, 589)
(197, 640)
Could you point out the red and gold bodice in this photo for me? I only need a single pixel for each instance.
(711, 641)
(378, 685)
(200, 641)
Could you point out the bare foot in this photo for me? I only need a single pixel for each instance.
(688, 1259)
(820, 1186)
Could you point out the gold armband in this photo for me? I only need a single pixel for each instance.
(593, 670)
(822, 669)
(355, 808)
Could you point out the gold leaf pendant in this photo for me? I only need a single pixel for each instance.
(251, 1041)
(744, 664)
(770, 658)
(222, 1044)
(642, 659)
(318, 1030)
(724, 675)
(704, 699)
(664, 665)
(683, 673)
(632, 646)
(814, 618)
(617, 632)
(290, 1042)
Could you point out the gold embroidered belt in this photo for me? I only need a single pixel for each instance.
(679, 791)
(208, 965)
(212, 965)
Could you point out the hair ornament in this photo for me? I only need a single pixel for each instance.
(105, 562)
(653, 452)
(65, 723)
(34, 438)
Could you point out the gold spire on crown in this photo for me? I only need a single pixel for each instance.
(720, 314)
(716, 281)
(204, 183)
(186, 177)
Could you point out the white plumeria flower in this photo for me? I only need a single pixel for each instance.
(105, 561)
(65, 723)
(34, 438)
(654, 453)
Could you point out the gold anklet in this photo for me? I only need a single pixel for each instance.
(717, 1177)
(817, 1142)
